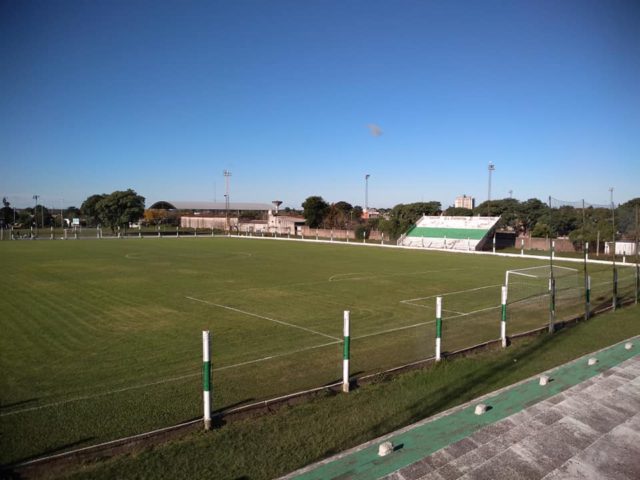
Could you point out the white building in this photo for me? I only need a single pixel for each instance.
(465, 202)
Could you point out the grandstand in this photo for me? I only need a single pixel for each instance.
(450, 233)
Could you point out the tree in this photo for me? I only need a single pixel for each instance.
(120, 208)
(338, 215)
(529, 213)
(626, 218)
(541, 230)
(89, 208)
(7, 213)
(155, 216)
(314, 210)
(458, 212)
(403, 216)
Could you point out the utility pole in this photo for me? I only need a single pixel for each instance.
(614, 301)
(366, 192)
(491, 168)
(35, 211)
(227, 174)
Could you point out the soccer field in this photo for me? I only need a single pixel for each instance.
(102, 338)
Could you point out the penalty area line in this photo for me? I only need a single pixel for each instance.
(292, 325)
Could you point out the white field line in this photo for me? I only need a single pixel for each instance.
(393, 330)
(166, 380)
(320, 282)
(102, 394)
(263, 359)
(264, 318)
(448, 293)
(471, 313)
(334, 278)
(430, 307)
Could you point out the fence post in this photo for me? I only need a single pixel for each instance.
(503, 323)
(438, 328)
(522, 246)
(206, 379)
(494, 243)
(587, 299)
(614, 301)
(552, 304)
(345, 354)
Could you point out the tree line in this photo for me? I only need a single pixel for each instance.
(113, 210)
(530, 217)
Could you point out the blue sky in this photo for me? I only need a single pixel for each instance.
(161, 97)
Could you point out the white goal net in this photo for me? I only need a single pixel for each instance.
(525, 283)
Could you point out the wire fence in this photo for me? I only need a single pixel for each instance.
(469, 318)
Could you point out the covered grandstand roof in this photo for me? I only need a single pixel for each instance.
(189, 205)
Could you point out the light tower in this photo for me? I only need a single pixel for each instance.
(614, 303)
(226, 174)
(491, 168)
(35, 211)
(366, 192)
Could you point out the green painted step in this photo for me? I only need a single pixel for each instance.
(430, 437)
(452, 233)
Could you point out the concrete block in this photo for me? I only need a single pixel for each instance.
(544, 380)
(481, 409)
(385, 449)
(592, 361)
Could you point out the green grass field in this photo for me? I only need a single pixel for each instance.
(102, 339)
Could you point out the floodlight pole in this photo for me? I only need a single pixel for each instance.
(366, 192)
(35, 211)
(227, 174)
(491, 168)
(614, 300)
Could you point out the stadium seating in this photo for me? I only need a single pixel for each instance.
(450, 233)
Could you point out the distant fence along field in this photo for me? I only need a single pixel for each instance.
(102, 339)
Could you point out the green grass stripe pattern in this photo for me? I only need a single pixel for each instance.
(428, 438)
(82, 322)
(452, 233)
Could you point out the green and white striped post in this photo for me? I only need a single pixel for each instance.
(552, 304)
(345, 354)
(438, 328)
(206, 379)
(503, 323)
(587, 299)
